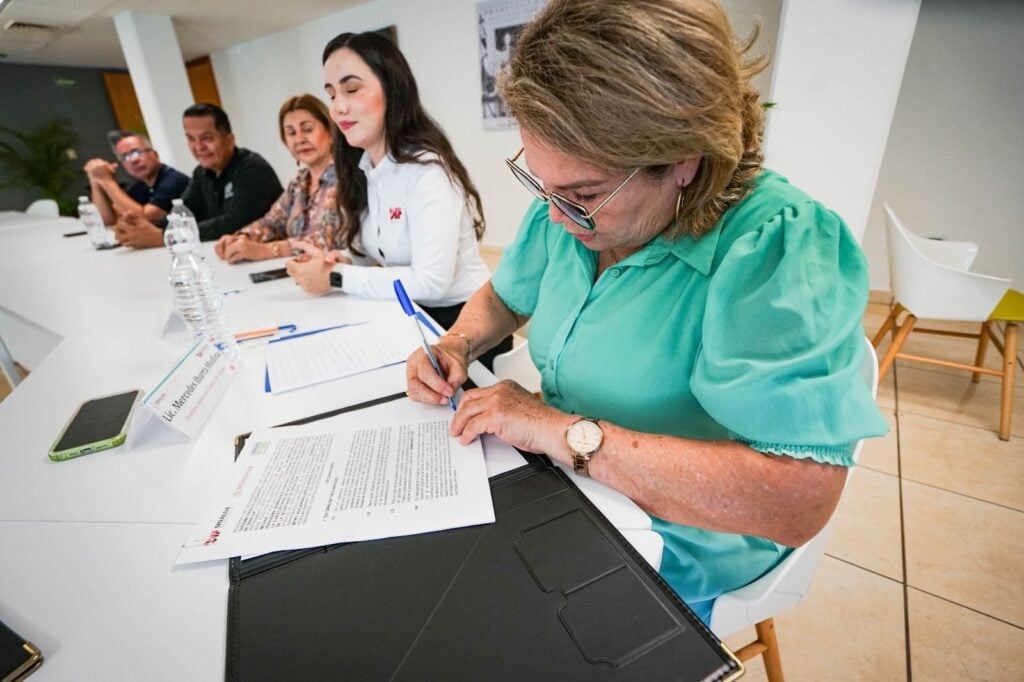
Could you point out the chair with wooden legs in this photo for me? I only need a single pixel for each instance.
(784, 586)
(932, 280)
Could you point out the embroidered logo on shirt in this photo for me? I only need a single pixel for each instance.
(396, 213)
(229, 190)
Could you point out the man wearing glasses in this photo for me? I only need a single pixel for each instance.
(156, 184)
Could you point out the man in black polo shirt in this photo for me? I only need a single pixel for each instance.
(156, 184)
(230, 188)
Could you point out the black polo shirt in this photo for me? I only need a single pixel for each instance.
(169, 185)
(225, 203)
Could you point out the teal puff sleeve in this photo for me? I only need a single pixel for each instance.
(782, 343)
(518, 277)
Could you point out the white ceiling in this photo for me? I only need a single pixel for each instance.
(83, 31)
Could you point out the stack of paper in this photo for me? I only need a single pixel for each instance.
(312, 358)
(346, 479)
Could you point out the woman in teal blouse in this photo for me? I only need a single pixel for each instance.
(696, 320)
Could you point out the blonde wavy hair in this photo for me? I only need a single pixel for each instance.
(623, 84)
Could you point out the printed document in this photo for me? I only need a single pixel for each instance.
(314, 358)
(385, 473)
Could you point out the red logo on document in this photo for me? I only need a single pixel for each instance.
(212, 538)
(396, 213)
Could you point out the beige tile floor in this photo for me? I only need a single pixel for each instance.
(924, 573)
(923, 577)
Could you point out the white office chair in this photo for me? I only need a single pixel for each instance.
(784, 586)
(46, 208)
(517, 366)
(931, 279)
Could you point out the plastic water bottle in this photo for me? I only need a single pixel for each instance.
(197, 298)
(178, 232)
(186, 219)
(93, 221)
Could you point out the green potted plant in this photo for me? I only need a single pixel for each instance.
(42, 159)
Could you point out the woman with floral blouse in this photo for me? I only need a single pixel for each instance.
(308, 208)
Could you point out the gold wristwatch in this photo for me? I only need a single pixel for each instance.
(584, 438)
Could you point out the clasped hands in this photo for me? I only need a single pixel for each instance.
(100, 169)
(311, 269)
(238, 247)
(131, 229)
(505, 409)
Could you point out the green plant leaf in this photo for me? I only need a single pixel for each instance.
(38, 158)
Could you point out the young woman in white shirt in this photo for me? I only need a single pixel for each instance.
(408, 209)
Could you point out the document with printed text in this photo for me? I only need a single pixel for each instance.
(324, 356)
(321, 483)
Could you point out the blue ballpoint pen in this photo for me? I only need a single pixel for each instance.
(403, 300)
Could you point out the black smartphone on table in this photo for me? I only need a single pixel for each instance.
(268, 275)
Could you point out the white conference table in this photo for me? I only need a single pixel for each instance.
(87, 546)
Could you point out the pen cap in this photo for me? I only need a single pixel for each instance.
(403, 298)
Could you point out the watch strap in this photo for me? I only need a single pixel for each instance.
(580, 464)
(581, 460)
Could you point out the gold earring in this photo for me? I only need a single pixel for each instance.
(679, 203)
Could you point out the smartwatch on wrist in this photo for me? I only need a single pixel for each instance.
(335, 280)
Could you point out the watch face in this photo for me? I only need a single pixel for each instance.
(585, 436)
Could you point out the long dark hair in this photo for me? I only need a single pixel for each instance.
(408, 130)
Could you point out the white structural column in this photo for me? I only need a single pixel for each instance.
(837, 74)
(157, 69)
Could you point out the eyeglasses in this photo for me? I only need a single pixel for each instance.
(133, 154)
(575, 212)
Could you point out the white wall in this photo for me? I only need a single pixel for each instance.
(157, 71)
(837, 77)
(953, 163)
(439, 38)
(748, 15)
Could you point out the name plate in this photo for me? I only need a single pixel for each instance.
(188, 394)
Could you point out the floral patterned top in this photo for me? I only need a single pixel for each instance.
(301, 215)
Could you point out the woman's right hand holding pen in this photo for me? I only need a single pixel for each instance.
(424, 384)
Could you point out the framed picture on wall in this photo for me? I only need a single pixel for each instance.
(499, 22)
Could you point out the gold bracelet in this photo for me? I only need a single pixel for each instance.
(469, 344)
(275, 249)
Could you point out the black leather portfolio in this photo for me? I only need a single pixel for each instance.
(18, 658)
(550, 591)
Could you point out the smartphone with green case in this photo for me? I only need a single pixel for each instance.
(97, 424)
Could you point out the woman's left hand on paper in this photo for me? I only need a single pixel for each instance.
(514, 415)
